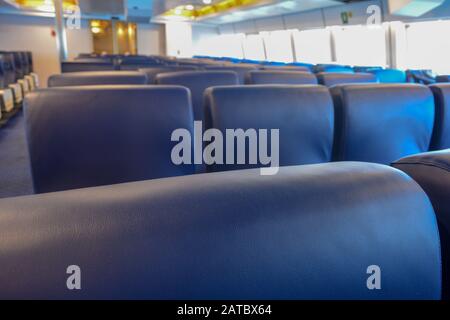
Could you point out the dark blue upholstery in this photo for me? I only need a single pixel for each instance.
(230, 235)
(154, 71)
(9, 71)
(88, 136)
(18, 66)
(389, 75)
(432, 171)
(330, 79)
(97, 78)
(303, 114)
(2, 72)
(80, 66)
(332, 68)
(443, 78)
(241, 70)
(280, 77)
(441, 132)
(286, 68)
(382, 122)
(198, 82)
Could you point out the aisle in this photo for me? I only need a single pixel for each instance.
(15, 177)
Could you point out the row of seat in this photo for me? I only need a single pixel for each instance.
(16, 80)
(88, 136)
(322, 231)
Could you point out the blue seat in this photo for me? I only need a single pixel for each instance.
(97, 78)
(280, 77)
(389, 75)
(285, 68)
(330, 79)
(382, 122)
(18, 65)
(303, 114)
(441, 132)
(332, 68)
(88, 136)
(81, 66)
(227, 236)
(240, 69)
(9, 71)
(198, 82)
(443, 78)
(431, 170)
(152, 72)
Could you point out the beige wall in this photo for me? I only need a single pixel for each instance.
(150, 39)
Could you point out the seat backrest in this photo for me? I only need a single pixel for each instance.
(2, 71)
(280, 77)
(9, 71)
(389, 75)
(88, 136)
(382, 122)
(302, 114)
(18, 66)
(241, 70)
(441, 132)
(227, 236)
(97, 78)
(443, 78)
(286, 68)
(330, 79)
(198, 82)
(332, 68)
(154, 71)
(80, 66)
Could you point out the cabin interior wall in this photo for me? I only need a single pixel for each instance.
(151, 39)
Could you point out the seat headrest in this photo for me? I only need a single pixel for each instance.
(97, 78)
(303, 115)
(389, 75)
(80, 66)
(198, 82)
(330, 79)
(280, 77)
(241, 70)
(154, 71)
(98, 135)
(382, 122)
(441, 132)
(230, 235)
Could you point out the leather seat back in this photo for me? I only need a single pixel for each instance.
(154, 71)
(84, 66)
(441, 132)
(303, 115)
(382, 122)
(227, 236)
(241, 70)
(198, 82)
(97, 78)
(332, 79)
(88, 136)
(280, 77)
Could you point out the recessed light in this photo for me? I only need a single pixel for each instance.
(207, 1)
(189, 7)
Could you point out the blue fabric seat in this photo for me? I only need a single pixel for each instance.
(89, 136)
(97, 78)
(382, 122)
(280, 77)
(303, 114)
(198, 82)
(330, 79)
(249, 237)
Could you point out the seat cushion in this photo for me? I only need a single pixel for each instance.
(303, 115)
(88, 136)
(382, 122)
(97, 78)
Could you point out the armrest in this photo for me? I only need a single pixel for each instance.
(431, 170)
